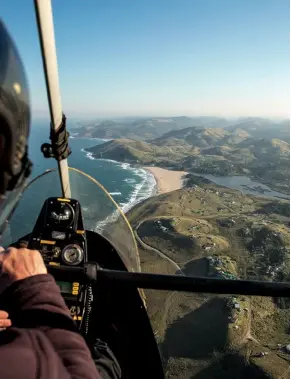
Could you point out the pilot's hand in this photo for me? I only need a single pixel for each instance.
(4, 320)
(17, 264)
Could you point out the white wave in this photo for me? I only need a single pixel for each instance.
(141, 191)
(107, 160)
(74, 135)
(98, 139)
(102, 140)
(101, 225)
(90, 156)
(130, 181)
(125, 166)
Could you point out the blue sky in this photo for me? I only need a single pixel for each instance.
(161, 57)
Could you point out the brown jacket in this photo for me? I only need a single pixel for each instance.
(34, 348)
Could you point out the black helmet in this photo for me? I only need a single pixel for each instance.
(15, 166)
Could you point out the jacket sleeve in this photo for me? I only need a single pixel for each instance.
(43, 335)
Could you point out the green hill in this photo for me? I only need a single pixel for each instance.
(139, 129)
(136, 152)
(152, 128)
(208, 151)
(208, 230)
(261, 127)
(265, 146)
(199, 137)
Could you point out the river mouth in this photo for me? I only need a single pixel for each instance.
(245, 185)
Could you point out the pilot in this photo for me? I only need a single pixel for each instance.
(39, 339)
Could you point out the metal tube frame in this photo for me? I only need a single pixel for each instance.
(44, 16)
(91, 273)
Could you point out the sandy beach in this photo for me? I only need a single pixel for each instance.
(167, 180)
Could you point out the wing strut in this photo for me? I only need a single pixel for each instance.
(44, 16)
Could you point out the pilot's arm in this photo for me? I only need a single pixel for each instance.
(43, 341)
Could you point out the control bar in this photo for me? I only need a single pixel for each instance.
(91, 273)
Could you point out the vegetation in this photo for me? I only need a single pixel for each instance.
(139, 129)
(209, 151)
(135, 152)
(209, 230)
(151, 128)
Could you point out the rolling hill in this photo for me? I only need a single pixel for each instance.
(208, 151)
(261, 127)
(155, 127)
(140, 129)
(264, 146)
(208, 230)
(204, 137)
(137, 152)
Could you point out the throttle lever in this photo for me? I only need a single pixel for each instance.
(84, 275)
(91, 269)
(172, 282)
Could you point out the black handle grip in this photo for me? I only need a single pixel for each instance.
(68, 273)
(197, 284)
(90, 273)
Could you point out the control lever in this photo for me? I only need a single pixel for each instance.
(91, 273)
(83, 275)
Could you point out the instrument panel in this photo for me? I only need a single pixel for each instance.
(60, 237)
(74, 297)
(59, 233)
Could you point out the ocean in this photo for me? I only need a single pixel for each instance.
(127, 184)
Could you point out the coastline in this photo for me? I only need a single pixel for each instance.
(160, 180)
(166, 180)
(145, 188)
(280, 192)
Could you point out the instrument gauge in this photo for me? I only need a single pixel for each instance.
(72, 255)
(62, 214)
(58, 235)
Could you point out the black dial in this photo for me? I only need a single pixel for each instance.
(62, 214)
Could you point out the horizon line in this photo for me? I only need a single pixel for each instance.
(92, 117)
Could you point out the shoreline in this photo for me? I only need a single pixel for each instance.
(137, 197)
(166, 180)
(245, 188)
(279, 193)
(171, 180)
(144, 189)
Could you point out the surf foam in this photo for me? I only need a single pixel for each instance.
(142, 190)
(143, 187)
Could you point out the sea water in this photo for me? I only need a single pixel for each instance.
(127, 184)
